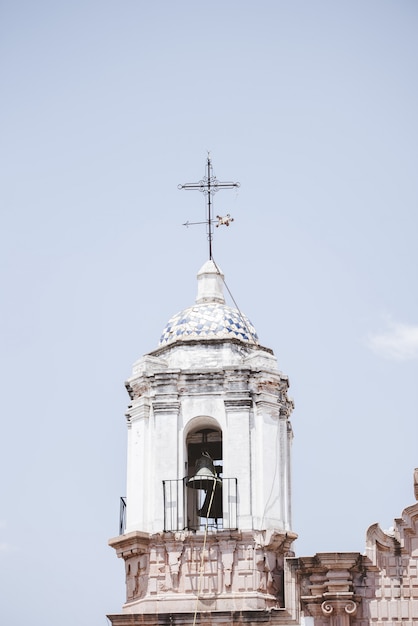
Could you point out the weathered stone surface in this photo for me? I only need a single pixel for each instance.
(171, 572)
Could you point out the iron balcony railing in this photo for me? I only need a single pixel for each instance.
(186, 508)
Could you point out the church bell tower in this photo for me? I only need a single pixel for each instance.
(207, 526)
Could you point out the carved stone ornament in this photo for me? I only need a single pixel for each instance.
(136, 389)
(339, 606)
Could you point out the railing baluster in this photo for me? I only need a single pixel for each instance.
(175, 502)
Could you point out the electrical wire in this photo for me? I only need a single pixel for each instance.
(199, 589)
(244, 321)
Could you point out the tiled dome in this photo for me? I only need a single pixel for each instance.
(208, 321)
(210, 317)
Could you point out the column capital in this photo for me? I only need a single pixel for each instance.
(339, 606)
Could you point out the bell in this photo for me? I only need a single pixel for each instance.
(206, 479)
(212, 506)
(205, 474)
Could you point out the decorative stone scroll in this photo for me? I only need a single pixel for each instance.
(339, 611)
(339, 607)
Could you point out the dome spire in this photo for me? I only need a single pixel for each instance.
(210, 284)
(209, 185)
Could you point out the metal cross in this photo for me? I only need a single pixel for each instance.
(209, 185)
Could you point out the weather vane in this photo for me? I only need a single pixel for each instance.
(209, 185)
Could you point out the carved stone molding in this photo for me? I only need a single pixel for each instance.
(200, 382)
(276, 541)
(165, 383)
(140, 409)
(328, 588)
(136, 542)
(136, 388)
(168, 570)
(265, 406)
(166, 406)
(238, 404)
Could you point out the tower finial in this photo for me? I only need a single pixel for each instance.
(209, 185)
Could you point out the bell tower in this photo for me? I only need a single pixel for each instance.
(208, 508)
(206, 524)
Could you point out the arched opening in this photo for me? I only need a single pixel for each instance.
(204, 478)
(203, 496)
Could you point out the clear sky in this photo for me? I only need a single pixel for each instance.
(106, 107)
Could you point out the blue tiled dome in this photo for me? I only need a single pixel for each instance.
(209, 320)
(210, 317)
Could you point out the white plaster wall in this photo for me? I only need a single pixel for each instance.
(237, 462)
(189, 356)
(192, 386)
(206, 405)
(139, 472)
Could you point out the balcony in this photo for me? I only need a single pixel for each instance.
(187, 508)
(196, 508)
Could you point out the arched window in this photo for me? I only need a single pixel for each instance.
(204, 478)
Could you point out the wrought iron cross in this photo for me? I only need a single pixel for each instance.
(209, 185)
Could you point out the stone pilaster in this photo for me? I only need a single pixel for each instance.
(165, 453)
(328, 587)
(237, 443)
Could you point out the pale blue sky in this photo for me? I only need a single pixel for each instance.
(106, 108)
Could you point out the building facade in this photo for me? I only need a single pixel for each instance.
(207, 531)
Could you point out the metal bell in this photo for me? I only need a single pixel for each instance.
(205, 474)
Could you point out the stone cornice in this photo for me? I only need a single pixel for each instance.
(267, 405)
(276, 540)
(138, 410)
(131, 543)
(201, 382)
(209, 342)
(148, 365)
(137, 387)
(238, 404)
(208, 618)
(166, 406)
(264, 385)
